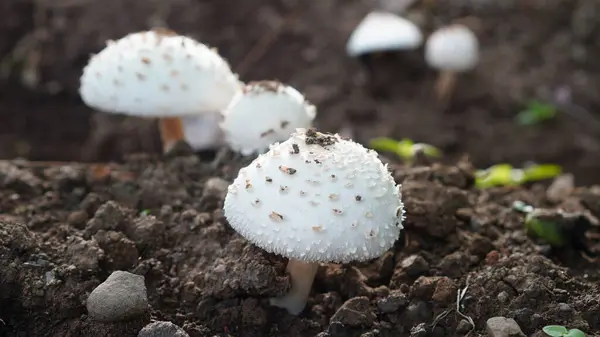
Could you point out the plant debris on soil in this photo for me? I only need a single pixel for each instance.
(65, 227)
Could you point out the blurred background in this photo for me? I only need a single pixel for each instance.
(532, 50)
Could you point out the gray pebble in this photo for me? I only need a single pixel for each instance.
(503, 327)
(162, 329)
(121, 297)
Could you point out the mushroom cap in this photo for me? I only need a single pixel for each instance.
(202, 132)
(264, 113)
(383, 31)
(318, 198)
(158, 73)
(452, 48)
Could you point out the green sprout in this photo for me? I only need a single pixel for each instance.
(507, 175)
(561, 331)
(406, 149)
(145, 212)
(537, 224)
(535, 113)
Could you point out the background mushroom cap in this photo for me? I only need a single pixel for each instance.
(158, 73)
(264, 113)
(452, 48)
(382, 31)
(317, 198)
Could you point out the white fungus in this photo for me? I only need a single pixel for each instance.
(381, 32)
(264, 113)
(158, 73)
(451, 49)
(203, 132)
(315, 198)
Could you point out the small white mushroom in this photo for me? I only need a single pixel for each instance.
(451, 50)
(381, 32)
(158, 73)
(326, 222)
(264, 113)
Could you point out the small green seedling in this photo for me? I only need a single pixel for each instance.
(405, 148)
(561, 331)
(542, 224)
(145, 212)
(507, 175)
(535, 113)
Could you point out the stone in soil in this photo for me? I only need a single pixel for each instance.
(162, 329)
(503, 327)
(120, 298)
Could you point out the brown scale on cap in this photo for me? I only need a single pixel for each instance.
(266, 133)
(287, 170)
(318, 138)
(295, 149)
(284, 124)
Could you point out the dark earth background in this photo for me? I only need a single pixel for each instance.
(203, 276)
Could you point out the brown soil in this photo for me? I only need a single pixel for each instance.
(64, 229)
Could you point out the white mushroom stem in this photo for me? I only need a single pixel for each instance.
(302, 276)
(445, 83)
(171, 131)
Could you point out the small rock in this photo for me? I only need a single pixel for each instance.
(445, 291)
(78, 219)
(121, 297)
(561, 188)
(355, 312)
(414, 265)
(162, 329)
(216, 186)
(503, 327)
(394, 301)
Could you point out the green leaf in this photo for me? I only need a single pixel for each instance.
(384, 144)
(535, 113)
(428, 150)
(541, 172)
(498, 175)
(549, 231)
(555, 330)
(575, 333)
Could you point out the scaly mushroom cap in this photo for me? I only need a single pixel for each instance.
(382, 31)
(264, 113)
(318, 198)
(452, 48)
(158, 73)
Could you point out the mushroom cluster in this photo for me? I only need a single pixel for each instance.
(450, 49)
(314, 198)
(193, 92)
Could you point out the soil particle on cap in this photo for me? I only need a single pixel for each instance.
(269, 86)
(318, 138)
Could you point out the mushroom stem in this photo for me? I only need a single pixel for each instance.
(171, 131)
(302, 276)
(445, 84)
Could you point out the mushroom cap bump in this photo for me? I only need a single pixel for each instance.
(452, 48)
(158, 73)
(317, 198)
(263, 113)
(383, 31)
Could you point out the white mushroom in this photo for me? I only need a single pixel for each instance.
(158, 73)
(315, 198)
(451, 49)
(264, 113)
(203, 132)
(381, 32)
